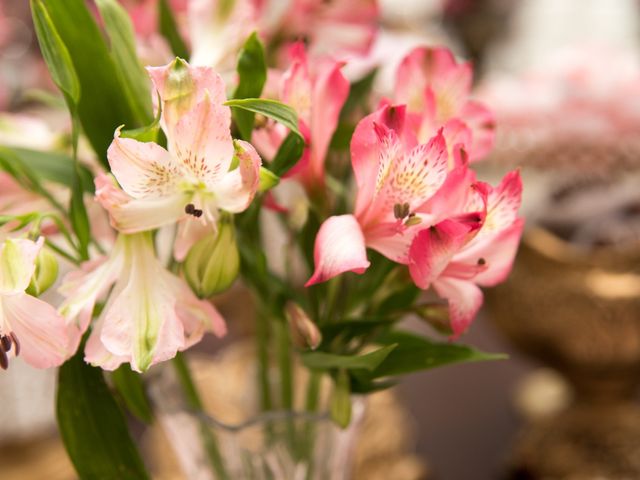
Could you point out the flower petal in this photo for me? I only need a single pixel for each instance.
(465, 299)
(129, 215)
(236, 189)
(17, 264)
(41, 330)
(142, 169)
(434, 247)
(202, 142)
(503, 203)
(339, 248)
(483, 127)
(296, 85)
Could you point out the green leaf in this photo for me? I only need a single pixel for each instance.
(148, 133)
(414, 353)
(103, 104)
(274, 109)
(92, 425)
(369, 361)
(54, 52)
(252, 75)
(169, 30)
(288, 154)
(130, 386)
(47, 166)
(123, 51)
(341, 399)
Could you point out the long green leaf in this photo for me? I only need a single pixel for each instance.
(414, 353)
(123, 50)
(341, 399)
(274, 109)
(369, 361)
(104, 104)
(55, 53)
(93, 427)
(130, 386)
(252, 75)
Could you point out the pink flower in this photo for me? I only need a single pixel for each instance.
(397, 182)
(455, 256)
(29, 326)
(317, 92)
(150, 314)
(192, 180)
(436, 90)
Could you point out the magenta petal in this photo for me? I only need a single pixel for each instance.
(339, 248)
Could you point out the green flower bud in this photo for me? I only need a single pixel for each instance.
(436, 315)
(45, 274)
(213, 263)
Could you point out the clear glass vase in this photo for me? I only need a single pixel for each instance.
(274, 445)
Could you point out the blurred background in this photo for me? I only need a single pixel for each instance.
(563, 78)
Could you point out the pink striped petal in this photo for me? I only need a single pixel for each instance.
(339, 248)
(237, 188)
(142, 169)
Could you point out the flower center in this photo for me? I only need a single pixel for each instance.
(6, 343)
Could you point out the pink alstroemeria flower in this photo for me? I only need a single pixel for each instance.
(398, 181)
(192, 180)
(317, 92)
(456, 256)
(150, 313)
(29, 327)
(436, 90)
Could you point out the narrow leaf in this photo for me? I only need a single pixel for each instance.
(123, 51)
(274, 109)
(54, 52)
(92, 425)
(104, 103)
(369, 361)
(288, 154)
(252, 75)
(78, 216)
(130, 386)
(169, 30)
(414, 353)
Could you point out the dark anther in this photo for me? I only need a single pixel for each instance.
(5, 343)
(482, 261)
(400, 211)
(16, 344)
(197, 213)
(189, 209)
(4, 360)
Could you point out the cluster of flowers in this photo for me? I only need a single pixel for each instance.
(418, 203)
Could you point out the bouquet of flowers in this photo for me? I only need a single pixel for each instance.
(156, 204)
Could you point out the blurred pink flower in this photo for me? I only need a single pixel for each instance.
(317, 91)
(436, 90)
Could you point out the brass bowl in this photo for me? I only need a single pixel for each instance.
(577, 311)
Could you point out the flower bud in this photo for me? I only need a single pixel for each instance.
(212, 264)
(304, 332)
(436, 315)
(180, 90)
(45, 273)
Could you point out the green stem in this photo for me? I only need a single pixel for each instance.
(194, 401)
(311, 405)
(262, 338)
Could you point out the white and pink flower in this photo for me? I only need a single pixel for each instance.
(196, 176)
(150, 313)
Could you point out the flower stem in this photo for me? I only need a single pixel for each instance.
(195, 402)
